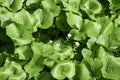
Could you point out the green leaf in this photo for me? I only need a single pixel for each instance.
(111, 67)
(35, 65)
(89, 69)
(44, 18)
(18, 36)
(91, 6)
(63, 50)
(47, 19)
(5, 15)
(86, 53)
(77, 35)
(117, 19)
(94, 66)
(83, 72)
(21, 31)
(51, 5)
(114, 4)
(61, 22)
(16, 5)
(103, 40)
(45, 50)
(63, 69)
(12, 71)
(13, 31)
(91, 42)
(24, 52)
(74, 3)
(5, 3)
(72, 6)
(49, 62)
(25, 18)
(74, 20)
(107, 25)
(92, 29)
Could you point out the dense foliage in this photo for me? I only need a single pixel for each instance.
(59, 39)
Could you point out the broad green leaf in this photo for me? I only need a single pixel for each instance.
(5, 15)
(94, 66)
(13, 31)
(38, 61)
(103, 40)
(91, 6)
(63, 69)
(101, 53)
(86, 53)
(38, 18)
(91, 42)
(35, 65)
(111, 67)
(72, 6)
(107, 25)
(47, 19)
(13, 5)
(83, 72)
(44, 18)
(92, 29)
(114, 4)
(74, 20)
(89, 69)
(49, 62)
(45, 50)
(25, 18)
(18, 36)
(114, 38)
(63, 49)
(24, 52)
(12, 71)
(5, 3)
(51, 5)
(21, 32)
(16, 4)
(77, 35)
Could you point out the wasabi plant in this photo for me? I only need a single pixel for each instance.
(59, 40)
